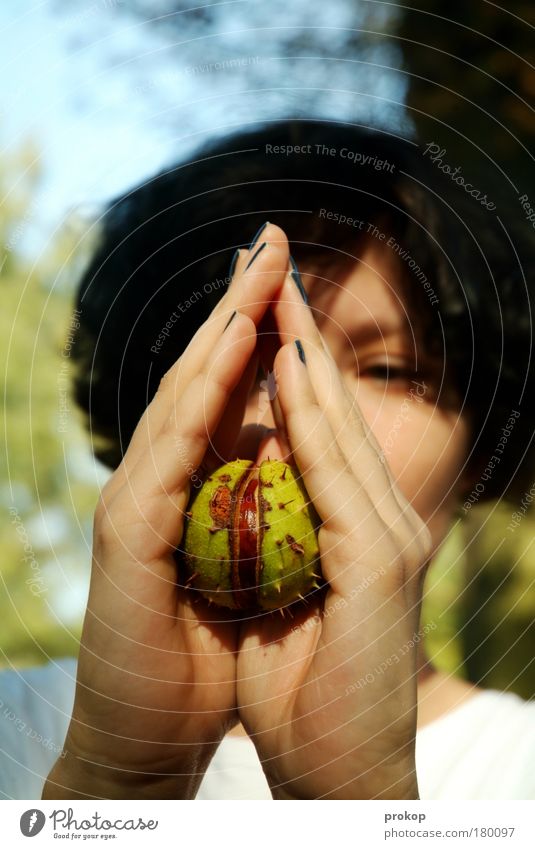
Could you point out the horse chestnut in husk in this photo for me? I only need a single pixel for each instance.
(250, 540)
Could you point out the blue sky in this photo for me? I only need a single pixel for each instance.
(94, 138)
(110, 98)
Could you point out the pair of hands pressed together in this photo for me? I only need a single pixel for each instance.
(163, 676)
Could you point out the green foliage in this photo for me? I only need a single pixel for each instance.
(499, 599)
(441, 609)
(480, 593)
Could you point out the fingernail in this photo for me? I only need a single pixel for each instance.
(234, 314)
(296, 277)
(254, 256)
(233, 262)
(257, 234)
(300, 351)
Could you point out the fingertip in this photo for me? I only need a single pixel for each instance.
(288, 363)
(276, 236)
(234, 264)
(241, 325)
(273, 243)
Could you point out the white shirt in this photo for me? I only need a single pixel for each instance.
(483, 749)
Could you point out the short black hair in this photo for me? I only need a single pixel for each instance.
(174, 235)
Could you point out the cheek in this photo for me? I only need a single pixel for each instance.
(426, 449)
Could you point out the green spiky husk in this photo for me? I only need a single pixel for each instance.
(286, 566)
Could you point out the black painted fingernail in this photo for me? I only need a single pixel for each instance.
(257, 234)
(233, 262)
(296, 277)
(300, 352)
(234, 314)
(254, 256)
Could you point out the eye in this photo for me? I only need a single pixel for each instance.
(388, 372)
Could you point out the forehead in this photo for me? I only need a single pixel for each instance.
(367, 298)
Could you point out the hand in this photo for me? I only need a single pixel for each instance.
(156, 686)
(318, 731)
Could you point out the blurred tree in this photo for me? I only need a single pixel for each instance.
(472, 86)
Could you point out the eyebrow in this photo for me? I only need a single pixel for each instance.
(369, 328)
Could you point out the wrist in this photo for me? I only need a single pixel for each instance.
(398, 783)
(405, 791)
(70, 779)
(83, 776)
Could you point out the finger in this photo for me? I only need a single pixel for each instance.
(327, 474)
(352, 532)
(252, 291)
(355, 438)
(268, 344)
(342, 501)
(222, 444)
(258, 275)
(251, 295)
(159, 484)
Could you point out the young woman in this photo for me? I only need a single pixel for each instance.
(389, 316)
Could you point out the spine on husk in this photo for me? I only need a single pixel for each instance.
(250, 540)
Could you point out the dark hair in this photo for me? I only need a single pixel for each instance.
(174, 235)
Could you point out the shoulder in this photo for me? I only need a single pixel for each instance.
(483, 749)
(35, 709)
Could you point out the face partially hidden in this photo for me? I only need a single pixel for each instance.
(400, 389)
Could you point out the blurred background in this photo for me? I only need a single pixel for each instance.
(97, 95)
